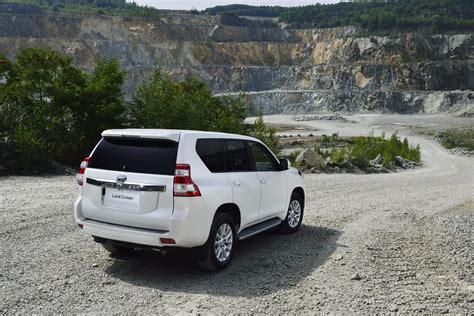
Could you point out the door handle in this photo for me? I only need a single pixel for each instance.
(236, 183)
(263, 180)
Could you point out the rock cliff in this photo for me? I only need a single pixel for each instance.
(280, 69)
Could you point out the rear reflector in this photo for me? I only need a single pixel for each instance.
(82, 169)
(183, 185)
(167, 241)
(80, 226)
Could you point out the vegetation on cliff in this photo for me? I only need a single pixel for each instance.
(246, 10)
(112, 7)
(437, 16)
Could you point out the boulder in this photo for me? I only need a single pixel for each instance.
(308, 158)
(403, 163)
(378, 161)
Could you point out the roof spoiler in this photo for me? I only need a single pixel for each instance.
(170, 135)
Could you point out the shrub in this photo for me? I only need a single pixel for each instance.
(339, 156)
(264, 133)
(189, 104)
(366, 148)
(52, 110)
(453, 138)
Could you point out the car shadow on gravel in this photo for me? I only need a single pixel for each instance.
(261, 265)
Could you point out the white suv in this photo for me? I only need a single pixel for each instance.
(177, 188)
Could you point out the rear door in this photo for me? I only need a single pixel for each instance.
(273, 182)
(244, 180)
(129, 182)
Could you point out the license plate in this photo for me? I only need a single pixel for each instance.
(121, 198)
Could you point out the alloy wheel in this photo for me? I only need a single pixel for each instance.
(294, 213)
(223, 242)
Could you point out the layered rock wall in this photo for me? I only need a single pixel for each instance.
(279, 69)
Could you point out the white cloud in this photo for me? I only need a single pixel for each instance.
(202, 4)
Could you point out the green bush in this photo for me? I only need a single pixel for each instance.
(189, 104)
(29, 150)
(339, 156)
(52, 110)
(366, 148)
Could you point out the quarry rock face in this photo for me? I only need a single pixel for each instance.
(280, 69)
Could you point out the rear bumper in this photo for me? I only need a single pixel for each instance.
(189, 226)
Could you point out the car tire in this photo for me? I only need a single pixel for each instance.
(294, 216)
(116, 249)
(217, 253)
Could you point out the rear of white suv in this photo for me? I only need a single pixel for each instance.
(202, 190)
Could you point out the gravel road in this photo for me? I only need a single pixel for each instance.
(400, 242)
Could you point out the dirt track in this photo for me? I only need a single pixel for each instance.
(370, 243)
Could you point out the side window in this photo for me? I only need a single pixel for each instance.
(238, 158)
(264, 160)
(211, 152)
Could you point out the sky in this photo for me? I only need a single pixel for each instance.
(203, 4)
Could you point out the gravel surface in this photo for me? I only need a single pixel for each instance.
(399, 242)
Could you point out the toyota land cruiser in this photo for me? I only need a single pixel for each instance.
(190, 189)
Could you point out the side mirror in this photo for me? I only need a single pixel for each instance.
(284, 164)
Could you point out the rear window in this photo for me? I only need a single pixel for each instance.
(136, 155)
(211, 152)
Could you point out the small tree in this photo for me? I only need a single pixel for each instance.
(187, 104)
(266, 134)
(101, 106)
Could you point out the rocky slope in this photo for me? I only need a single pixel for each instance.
(280, 69)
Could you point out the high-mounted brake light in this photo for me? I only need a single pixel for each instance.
(82, 169)
(183, 185)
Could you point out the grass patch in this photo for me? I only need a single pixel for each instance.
(457, 138)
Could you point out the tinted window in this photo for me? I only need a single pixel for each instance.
(237, 156)
(264, 160)
(136, 155)
(211, 152)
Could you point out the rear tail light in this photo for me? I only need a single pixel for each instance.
(82, 169)
(183, 185)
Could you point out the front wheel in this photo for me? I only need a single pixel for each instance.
(294, 216)
(217, 253)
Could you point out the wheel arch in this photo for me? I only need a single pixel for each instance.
(233, 210)
(299, 191)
